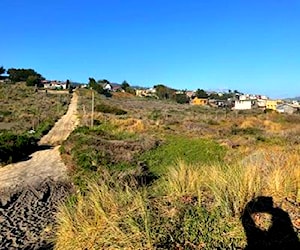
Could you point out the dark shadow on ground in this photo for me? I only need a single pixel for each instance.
(280, 234)
(26, 155)
(43, 147)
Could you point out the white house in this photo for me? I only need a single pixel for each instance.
(287, 108)
(261, 103)
(242, 104)
(107, 86)
(54, 84)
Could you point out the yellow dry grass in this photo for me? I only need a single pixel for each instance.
(271, 126)
(130, 124)
(106, 217)
(266, 124)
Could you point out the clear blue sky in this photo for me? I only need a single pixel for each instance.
(248, 45)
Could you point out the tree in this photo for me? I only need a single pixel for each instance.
(96, 86)
(92, 81)
(33, 80)
(181, 98)
(103, 81)
(21, 75)
(68, 85)
(200, 93)
(2, 71)
(125, 85)
(164, 92)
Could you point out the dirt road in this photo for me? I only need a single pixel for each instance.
(30, 190)
(45, 163)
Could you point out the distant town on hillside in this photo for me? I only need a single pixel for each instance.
(229, 99)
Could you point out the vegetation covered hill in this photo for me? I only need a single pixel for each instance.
(22, 109)
(160, 175)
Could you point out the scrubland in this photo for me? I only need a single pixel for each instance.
(23, 109)
(153, 174)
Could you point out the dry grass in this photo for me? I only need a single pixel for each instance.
(106, 218)
(23, 108)
(114, 216)
(192, 206)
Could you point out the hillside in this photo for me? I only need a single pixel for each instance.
(153, 174)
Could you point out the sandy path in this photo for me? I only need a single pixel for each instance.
(45, 163)
(64, 126)
(30, 190)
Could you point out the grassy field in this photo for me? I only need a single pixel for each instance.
(23, 109)
(153, 174)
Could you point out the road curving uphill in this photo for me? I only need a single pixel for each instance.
(30, 190)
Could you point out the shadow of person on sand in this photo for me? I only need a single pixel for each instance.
(280, 234)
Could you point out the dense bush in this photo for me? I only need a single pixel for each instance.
(104, 108)
(104, 146)
(14, 147)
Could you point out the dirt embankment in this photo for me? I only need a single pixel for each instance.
(30, 190)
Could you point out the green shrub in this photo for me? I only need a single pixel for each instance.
(155, 115)
(14, 147)
(195, 227)
(104, 108)
(190, 150)
(246, 131)
(43, 128)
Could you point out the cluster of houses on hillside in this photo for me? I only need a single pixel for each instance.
(245, 102)
(238, 101)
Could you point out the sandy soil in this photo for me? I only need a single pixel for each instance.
(31, 189)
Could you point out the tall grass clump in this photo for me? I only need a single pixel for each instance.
(108, 216)
(183, 179)
(228, 187)
(112, 215)
(232, 186)
(280, 173)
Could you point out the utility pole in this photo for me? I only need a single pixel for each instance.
(93, 103)
(58, 104)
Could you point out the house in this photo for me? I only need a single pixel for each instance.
(223, 103)
(60, 85)
(151, 92)
(190, 94)
(272, 104)
(83, 86)
(54, 84)
(243, 97)
(261, 103)
(117, 87)
(287, 108)
(107, 86)
(46, 83)
(242, 105)
(199, 101)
